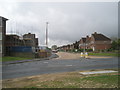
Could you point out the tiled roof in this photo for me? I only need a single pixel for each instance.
(84, 40)
(100, 37)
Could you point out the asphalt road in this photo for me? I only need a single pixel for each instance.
(54, 66)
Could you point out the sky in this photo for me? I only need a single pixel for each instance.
(68, 21)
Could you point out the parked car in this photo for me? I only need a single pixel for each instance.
(54, 51)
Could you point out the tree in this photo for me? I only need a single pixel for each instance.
(54, 47)
(116, 45)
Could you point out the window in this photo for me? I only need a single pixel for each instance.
(0, 22)
(0, 35)
(92, 42)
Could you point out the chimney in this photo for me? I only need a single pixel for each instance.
(95, 32)
(87, 36)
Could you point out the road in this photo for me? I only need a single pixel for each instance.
(54, 66)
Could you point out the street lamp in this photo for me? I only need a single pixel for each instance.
(47, 34)
(84, 48)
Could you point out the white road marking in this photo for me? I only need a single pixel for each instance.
(69, 65)
(45, 62)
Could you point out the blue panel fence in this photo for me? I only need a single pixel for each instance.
(21, 49)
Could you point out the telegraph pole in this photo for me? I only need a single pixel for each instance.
(47, 34)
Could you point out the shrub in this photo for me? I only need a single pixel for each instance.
(89, 50)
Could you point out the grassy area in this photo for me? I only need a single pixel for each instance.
(5, 59)
(104, 54)
(65, 80)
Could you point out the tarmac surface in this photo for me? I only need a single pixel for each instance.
(46, 66)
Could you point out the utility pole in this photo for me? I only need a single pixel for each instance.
(47, 34)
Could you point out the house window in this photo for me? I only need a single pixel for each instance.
(0, 35)
(92, 42)
(0, 22)
(93, 48)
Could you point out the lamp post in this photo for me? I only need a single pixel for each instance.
(84, 48)
(47, 34)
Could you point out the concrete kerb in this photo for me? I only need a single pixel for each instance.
(30, 60)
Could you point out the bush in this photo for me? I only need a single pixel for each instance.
(80, 50)
(89, 50)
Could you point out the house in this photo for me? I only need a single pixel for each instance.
(76, 45)
(16, 46)
(82, 43)
(99, 42)
(68, 47)
(88, 42)
(30, 40)
(71, 47)
(2, 35)
(13, 40)
(95, 42)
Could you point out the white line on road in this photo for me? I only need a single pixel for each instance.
(69, 65)
(45, 62)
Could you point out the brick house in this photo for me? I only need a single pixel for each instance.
(71, 47)
(98, 42)
(82, 43)
(2, 35)
(76, 45)
(30, 40)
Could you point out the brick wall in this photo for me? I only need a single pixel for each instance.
(102, 46)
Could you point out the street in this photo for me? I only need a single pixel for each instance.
(56, 65)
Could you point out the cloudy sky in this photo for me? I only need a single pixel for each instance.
(68, 21)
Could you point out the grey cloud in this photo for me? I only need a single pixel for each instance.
(68, 21)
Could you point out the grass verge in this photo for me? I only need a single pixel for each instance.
(65, 80)
(5, 59)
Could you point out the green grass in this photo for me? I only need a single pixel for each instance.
(104, 54)
(103, 81)
(65, 80)
(5, 59)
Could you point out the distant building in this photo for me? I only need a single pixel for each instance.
(76, 45)
(82, 43)
(30, 40)
(95, 42)
(13, 40)
(71, 47)
(2, 35)
(99, 42)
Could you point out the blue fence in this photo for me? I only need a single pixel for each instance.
(21, 49)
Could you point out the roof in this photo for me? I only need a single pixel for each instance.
(3, 18)
(100, 37)
(12, 35)
(84, 40)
